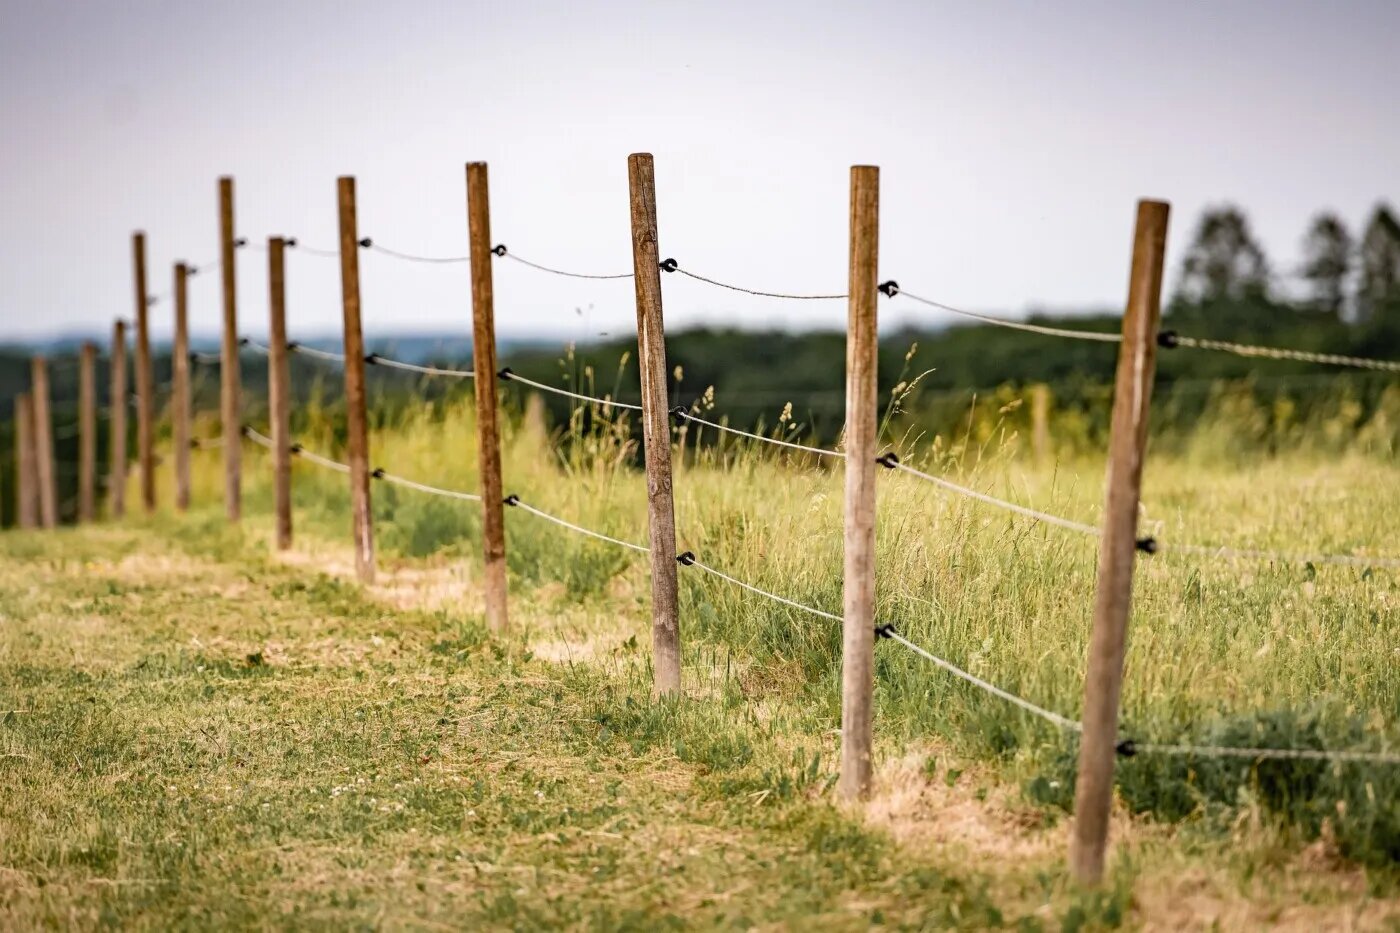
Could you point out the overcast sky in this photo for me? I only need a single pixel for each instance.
(1013, 140)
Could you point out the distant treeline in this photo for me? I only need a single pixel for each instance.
(1345, 299)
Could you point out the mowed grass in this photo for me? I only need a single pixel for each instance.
(198, 734)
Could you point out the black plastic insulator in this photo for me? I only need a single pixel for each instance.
(296, 448)
(888, 460)
(241, 241)
(243, 430)
(366, 242)
(292, 346)
(889, 289)
(377, 473)
(1169, 339)
(679, 412)
(1126, 748)
(669, 265)
(499, 249)
(511, 499)
(686, 558)
(244, 341)
(505, 373)
(194, 443)
(194, 358)
(886, 630)
(372, 358)
(290, 242)
(1147, 545)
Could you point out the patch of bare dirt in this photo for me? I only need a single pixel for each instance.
(925, 809)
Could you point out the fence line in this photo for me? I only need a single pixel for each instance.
(1138, 343)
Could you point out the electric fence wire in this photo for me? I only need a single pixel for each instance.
(891, 461)
(296, 244)
(375, 359)
(1171, 339)
(500, 250)
(819, 451)
(372, 359)
(1128, 748)
(1167, 338)
(671, 265)
(510, 375)
(514, 501)
(369, 243)
(891, 289)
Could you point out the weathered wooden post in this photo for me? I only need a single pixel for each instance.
(1103, 678)
(145, 379)
(357, 428)
(117, 406)
(87, 432)
(487, 409)
(279, 390)
(180, 389)
(42, 438)
(229, 387)
(862, 355)
(26, 473)
(656, 427)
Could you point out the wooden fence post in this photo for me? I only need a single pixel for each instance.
(87, 432)
(26, 482)
(117, 404)
(1040, 422)
(42, 438)
(279, 390)
(229, 359)
(180, 389)
(357, 443)
(1103, 678)
(487, 412)
(656, 427)
(862, 404)
(145, 379)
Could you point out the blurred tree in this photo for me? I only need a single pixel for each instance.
(1380, 263)
(1326, 262)
(1224, 263)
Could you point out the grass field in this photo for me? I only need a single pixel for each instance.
(197, 732)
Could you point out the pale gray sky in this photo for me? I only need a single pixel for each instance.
(1013, 139)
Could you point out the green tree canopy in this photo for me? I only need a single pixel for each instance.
(1327, 252)
(1380, 263)
(1224, 262)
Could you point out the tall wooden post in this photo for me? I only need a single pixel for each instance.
(26, 478)
(487, 427)
(357, 443)
(43, 442)
(656, 427)
(87, 432)
(117, 405)
(180, 389)
(1103, 679)
(279, 390)
(1040, 422)
(229, 359)
(145, 379)
(862, 403)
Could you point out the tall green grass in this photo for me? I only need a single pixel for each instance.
(1247, 653)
